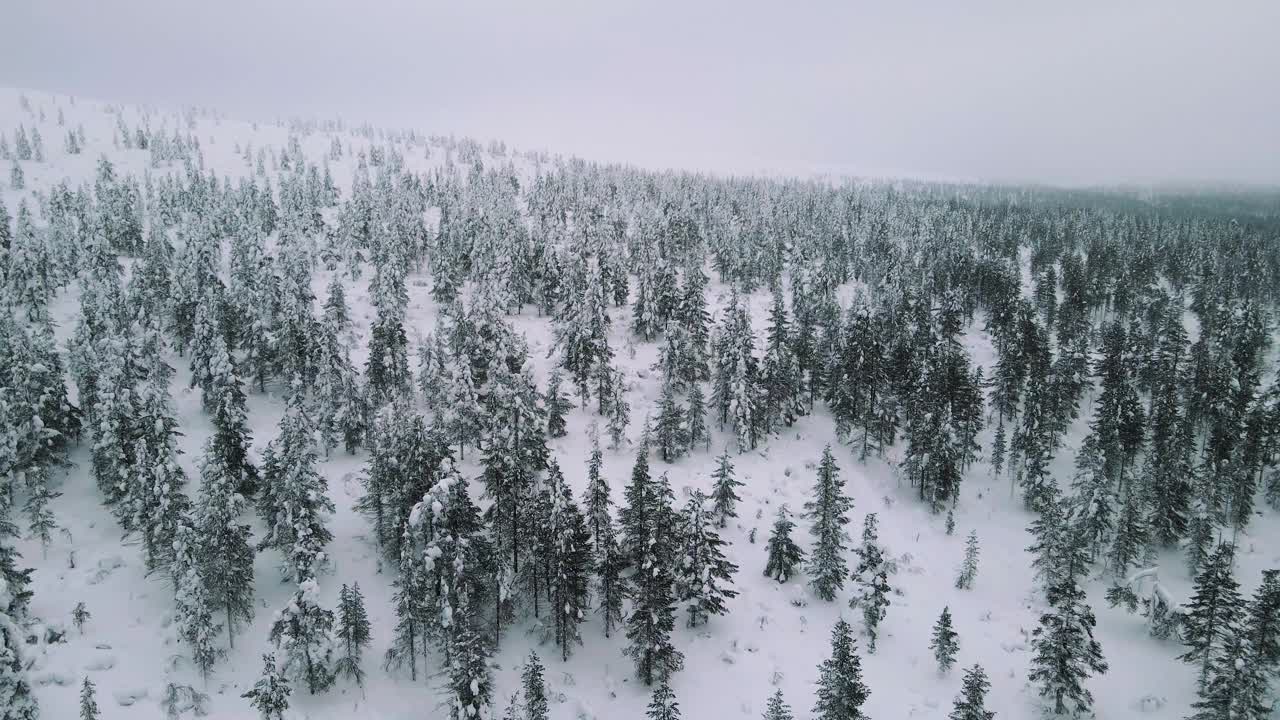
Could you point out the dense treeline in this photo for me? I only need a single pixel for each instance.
(1150, 319)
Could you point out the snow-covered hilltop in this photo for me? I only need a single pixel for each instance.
(398, 410)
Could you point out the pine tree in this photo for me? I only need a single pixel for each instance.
(469, 676)
(535, 690)
(610, 586)
(944, 643)
(270, 695)
(777, 709)
(705, 575)
(663, 705)
(556, 405)
(1262, 626)
(596, 497)
(841, 691)
(784, 554)
(353, 633)
(649, 532)
(302, 630)
(1213, 613)
(570, 562)
(969, 570)
(193, 615)
(724, 493)
(828, 510)
(696, 432)
(294, 502)
(874, 601)
(1132, 535)
(227, 565)
(1236, 687)
(971, 702)
(670, 431)
(88, 705)
(1065, 650)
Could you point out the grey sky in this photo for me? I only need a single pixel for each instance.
(1085, 91)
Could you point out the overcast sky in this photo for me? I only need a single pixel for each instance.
(1077, 92)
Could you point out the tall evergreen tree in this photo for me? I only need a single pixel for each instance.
(194, 612)
(969, 569)
(611, 588)
(88, 705)
(841, 691)
(705, 575)
(596, 499)
(270, 695)
(777, 709)
(294, 502)
(302, 630)
(944, 643)
(650, 528)
(353, 633)
(1066, 652)
(784, 554)
(570, 562)
(971, 702)
(1213, 613)
(828, 510)
(535, 689)
(1235, 687)
(663, 705)
(724, 492)
(227, 557)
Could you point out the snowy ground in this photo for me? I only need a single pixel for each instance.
(732, 665)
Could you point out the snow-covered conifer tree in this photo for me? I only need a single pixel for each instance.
(828, 510)
(303, 631)
(943, 644)
(841, 691)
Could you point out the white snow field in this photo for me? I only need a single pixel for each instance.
(774, 635)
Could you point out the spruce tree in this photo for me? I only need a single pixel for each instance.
(663, 705)
(194, 611)
(784, 554)
(971, 702)
(969, 569)
(294, 503)
(569, 563)
(696, 432)
(944, 644)
(227, 566)
(556, 406)
(828, 510)
(302, 630)
(705, 576)
(1213, 614)
(650, 531)
(596, 499)
(723, 492)
(777, 709)
(841, 691)
(535, 689)
(1065, 651)
(469, 676)
(88, 705)
(874, 601)
(1262, 625)
(669, 433)
(611, 588)
(1235, 688)
(353, 633)
(270, 695)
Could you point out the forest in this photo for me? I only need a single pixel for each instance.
(310, 419)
